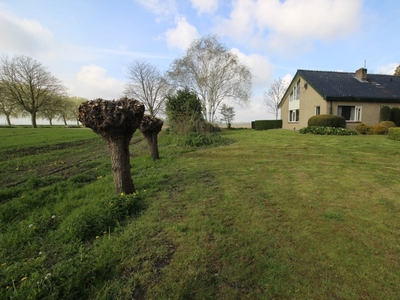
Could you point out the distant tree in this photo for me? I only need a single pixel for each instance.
(28, 83)
(214, 73)
(273, 96)
(73, 112)
(115, 122)
(397, 71)
(228, 113)
(184, 111)
(8, 107)
(150, 127)
(51, 109)
(147, 85)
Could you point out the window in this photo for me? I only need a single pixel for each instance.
(295, 94)
(294, 115)
(297, 91)
(350, 113)
(317, 110)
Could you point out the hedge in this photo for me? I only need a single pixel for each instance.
(267, 124)
(327, 121)
(394, 133)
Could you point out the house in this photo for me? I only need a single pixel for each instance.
(357, 97)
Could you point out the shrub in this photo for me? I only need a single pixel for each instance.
(267, 124)
(387, 124)
(385, 114)
(200, 139)
(378, 129)
(327, 121)
(363, 128)
(394, 133)
(395, 115)
(327, 130)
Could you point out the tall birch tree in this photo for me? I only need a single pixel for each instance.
(214, 73)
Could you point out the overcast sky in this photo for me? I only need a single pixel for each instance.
(88, 44)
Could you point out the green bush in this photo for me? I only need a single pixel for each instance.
(200, 139)
(378, 129)
(394, 133)
(327, 121)
(363, 128)
(385, 114)
(327, 130)
(267, 124)
(252, 124)
(395, 115)
(388, 124)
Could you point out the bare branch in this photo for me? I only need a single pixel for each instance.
(274, 95)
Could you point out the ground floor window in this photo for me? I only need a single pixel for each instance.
(294, 115)
(350, 113)
(317, 110)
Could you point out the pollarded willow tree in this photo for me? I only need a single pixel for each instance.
(214, 73)
(150, 127)
(115, 121)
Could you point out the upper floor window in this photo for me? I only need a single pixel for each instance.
(295, 94)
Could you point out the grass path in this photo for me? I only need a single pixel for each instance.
(274, 215)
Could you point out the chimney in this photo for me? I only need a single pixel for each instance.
(361, 74)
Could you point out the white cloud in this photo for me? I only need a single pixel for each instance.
(205, 6)
(181, 36)
(285, 24)
(389, 69)
(287, 79)
(162, 8)
(23, 36)
(259, 65)
(92, 82)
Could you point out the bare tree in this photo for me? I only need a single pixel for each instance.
(274, 95)
(150, 127)
(147, 85)
(213, 73)
(8, 107)
(28, 83)
(51, 109)
(228, 113)
(73, 112)
(115, 122)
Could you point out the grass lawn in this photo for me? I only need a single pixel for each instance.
(273, 215)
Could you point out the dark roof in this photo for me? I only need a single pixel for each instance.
(344, 86)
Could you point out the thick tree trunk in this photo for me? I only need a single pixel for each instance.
(33, 119)
(51, 122)
(65, 121)
(120, 163)
(8, 120)
(152, 141)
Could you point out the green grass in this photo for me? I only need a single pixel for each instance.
(273, 215)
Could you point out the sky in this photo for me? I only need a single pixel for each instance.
(89, 44)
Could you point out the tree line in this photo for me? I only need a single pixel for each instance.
(208, 70)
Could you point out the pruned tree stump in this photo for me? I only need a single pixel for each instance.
(115, 121)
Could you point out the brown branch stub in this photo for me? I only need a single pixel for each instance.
(116, 117)
(150, 124)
